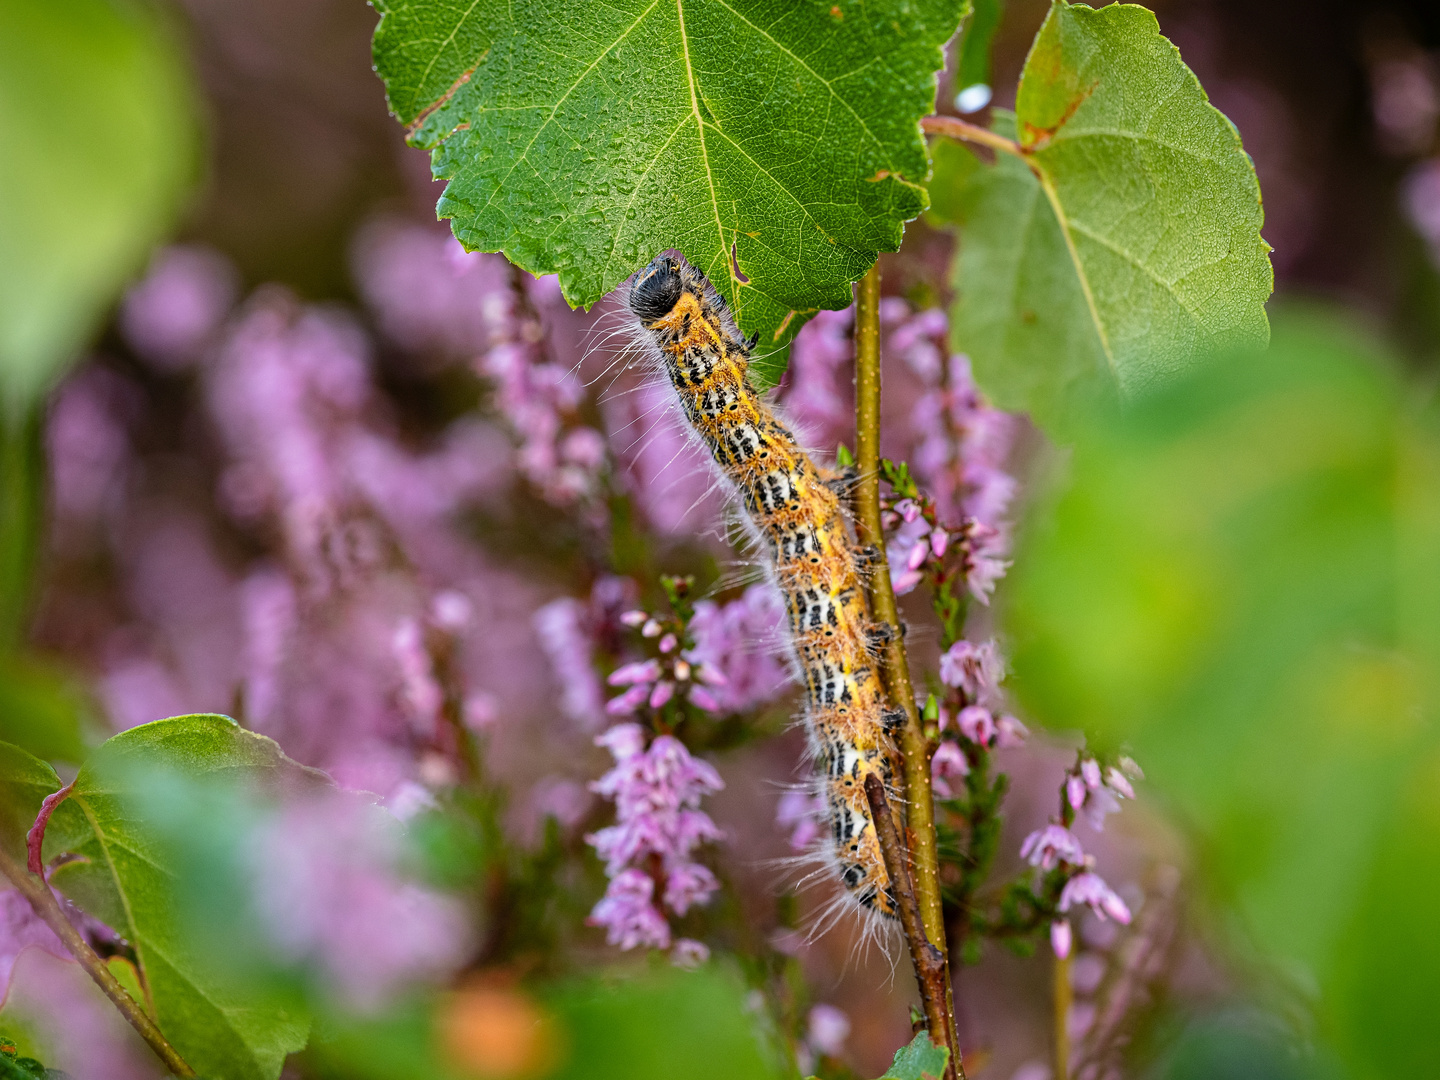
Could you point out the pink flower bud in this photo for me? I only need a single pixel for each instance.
(916, 559)
(1060, 938)
(668, 643)
(682, 670)
(907, 509)
(634, 618)
(662, 693)
(939, 541)
(646, 671)
(1075, 791)
(1115, 780)
(1090, 770)
(651, 628)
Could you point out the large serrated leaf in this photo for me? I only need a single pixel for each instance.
(1126, 240)
(124, 876)
(97, 121)
(776, 144)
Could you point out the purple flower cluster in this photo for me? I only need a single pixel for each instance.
(960, 459)
(574, 634)
(815, 391)
(430, 295)
(659, 824)
(1090, 790)
(740, 651)
(972, 713)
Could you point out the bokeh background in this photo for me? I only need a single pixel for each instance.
(286, 459)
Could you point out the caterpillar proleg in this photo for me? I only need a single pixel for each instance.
(797, 518)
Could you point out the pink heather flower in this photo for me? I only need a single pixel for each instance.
(1115, 780)
(628, 915)
(178, 305)
(642, 671)
(666, 472)
(451, 611)
(827, 1028)
(739, 651)
(976, 724)
(1098, 806)
(268, 611)
(1421, 197)
(629, 701)
(324, 870)
(89, 444)
(1061, 939)
(689, 953)
(816, 391)
(1075, 791)
(1010, 733)
(662, 693)
(668, 643)
(687, 885)
(1089, 888)
(1090, 773)
(657, 793)
(801, 812)
(419, 691)
(985, 563)
(948, 763)
(976, 669)
(1050, 846)
(565, 638)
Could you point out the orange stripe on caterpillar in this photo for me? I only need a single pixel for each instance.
(798, 520)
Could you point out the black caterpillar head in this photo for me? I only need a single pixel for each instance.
(656, 289)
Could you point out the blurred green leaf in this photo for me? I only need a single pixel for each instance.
(41, 709)
(920, 1060)
(659, 1025)
(1241, 584)
(25, 781)
(98, 125)
(1134, 244)
(126, 876)
(974, 65)
(584, 139)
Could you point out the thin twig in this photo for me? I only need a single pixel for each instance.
(1062, 996)
(955, 128)
(930, 968)
(35, 890)
(895, 668)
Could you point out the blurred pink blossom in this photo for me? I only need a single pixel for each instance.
(175, 309)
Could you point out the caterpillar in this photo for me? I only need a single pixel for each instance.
(796, 516)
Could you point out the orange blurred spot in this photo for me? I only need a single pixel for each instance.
(496, 1033)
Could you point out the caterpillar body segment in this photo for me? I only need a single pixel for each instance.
(796, 515)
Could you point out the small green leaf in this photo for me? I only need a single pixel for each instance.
(1125, 243)
(125, 877)
(920, 1060)
(98, 122)
(776, 145)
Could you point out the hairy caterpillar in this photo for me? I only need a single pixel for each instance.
(797, 516)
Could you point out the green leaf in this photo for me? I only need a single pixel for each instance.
(583, 139)
(1125, 243)
(920, 1060)
(1241, 587)
(126, 876)
(25, 781)
(98, 123)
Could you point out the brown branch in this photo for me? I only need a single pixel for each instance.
(930, 968)
(923, 852)
(964, 131)
(35, 890)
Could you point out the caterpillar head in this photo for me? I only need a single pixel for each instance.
(657, 289)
